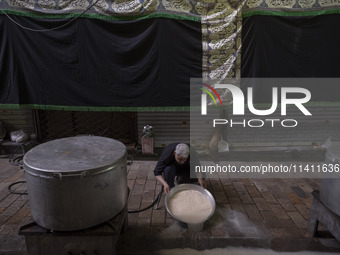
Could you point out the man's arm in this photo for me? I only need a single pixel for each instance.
(201, 181)
(161, 164)
(164, 183)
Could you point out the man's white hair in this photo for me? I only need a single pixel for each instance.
(182, 150)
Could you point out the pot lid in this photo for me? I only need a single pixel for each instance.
(72, 154)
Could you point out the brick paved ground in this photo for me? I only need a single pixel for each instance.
(266, 213)
(270, 213)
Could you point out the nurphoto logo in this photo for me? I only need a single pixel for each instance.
(239, 103)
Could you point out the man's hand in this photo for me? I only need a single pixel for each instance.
(201, 181)
(166, 188)
(164, 183)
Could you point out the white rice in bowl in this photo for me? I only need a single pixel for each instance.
(190, 206)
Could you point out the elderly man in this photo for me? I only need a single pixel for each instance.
(175, 161)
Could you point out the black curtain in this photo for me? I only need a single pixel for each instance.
(99, 63)
(292, 47)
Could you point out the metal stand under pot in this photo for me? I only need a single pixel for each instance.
(101, 239)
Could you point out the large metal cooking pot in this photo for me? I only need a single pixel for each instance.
(77, 182)
(330, 187)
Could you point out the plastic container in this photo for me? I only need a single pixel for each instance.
(330, 187)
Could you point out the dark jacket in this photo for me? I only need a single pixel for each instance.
(167, 158)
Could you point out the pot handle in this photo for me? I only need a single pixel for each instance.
(61, 176)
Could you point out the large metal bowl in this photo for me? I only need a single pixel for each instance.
(194, 227)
